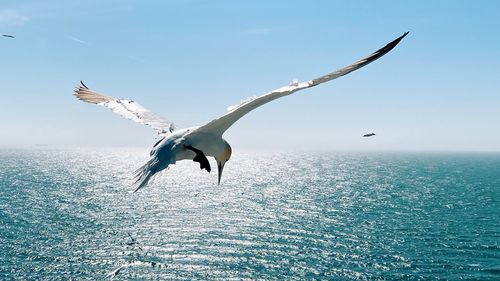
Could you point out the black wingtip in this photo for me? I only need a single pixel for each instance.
(400, 38)
(85, 86)
(386, 48)
(397, 40)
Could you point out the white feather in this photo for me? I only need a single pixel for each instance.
(221, 124)
(126, 108)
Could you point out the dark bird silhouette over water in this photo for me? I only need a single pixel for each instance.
(369, 135)
(8, 36)
(133, 241)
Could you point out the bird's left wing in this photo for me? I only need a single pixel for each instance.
(220, 125)
(126, 108)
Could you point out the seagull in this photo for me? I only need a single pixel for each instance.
(8, 36)
(369, 135)
(196, 143)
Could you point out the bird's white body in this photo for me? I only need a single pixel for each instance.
(184, 144)
(195, 143)
(211, 144)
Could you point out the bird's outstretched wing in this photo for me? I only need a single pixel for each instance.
(220, 125)
(126, 108)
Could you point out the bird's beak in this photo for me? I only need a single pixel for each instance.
(220, 166)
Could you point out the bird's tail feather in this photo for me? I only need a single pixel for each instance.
(145, 173)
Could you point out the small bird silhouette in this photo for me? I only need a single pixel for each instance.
(369, 135)
(8, 36)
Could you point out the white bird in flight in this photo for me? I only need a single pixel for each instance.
(196, 143)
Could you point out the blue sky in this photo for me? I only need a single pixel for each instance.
(190, 60)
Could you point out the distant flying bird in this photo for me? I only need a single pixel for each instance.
(196, 143)
(8, 36)
(369, 135)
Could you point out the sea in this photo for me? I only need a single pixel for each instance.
(70, 214)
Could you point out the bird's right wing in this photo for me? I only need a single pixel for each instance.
(126, 108)
(221, 124)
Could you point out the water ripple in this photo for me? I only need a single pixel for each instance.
(69, 214)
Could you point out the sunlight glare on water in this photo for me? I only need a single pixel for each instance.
(70, 214)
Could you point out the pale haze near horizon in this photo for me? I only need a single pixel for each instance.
(189, 60)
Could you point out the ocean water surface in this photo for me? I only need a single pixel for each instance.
(69, 214)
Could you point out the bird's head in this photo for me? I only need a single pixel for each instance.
(222, 159)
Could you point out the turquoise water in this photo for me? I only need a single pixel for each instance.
(68, 214)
